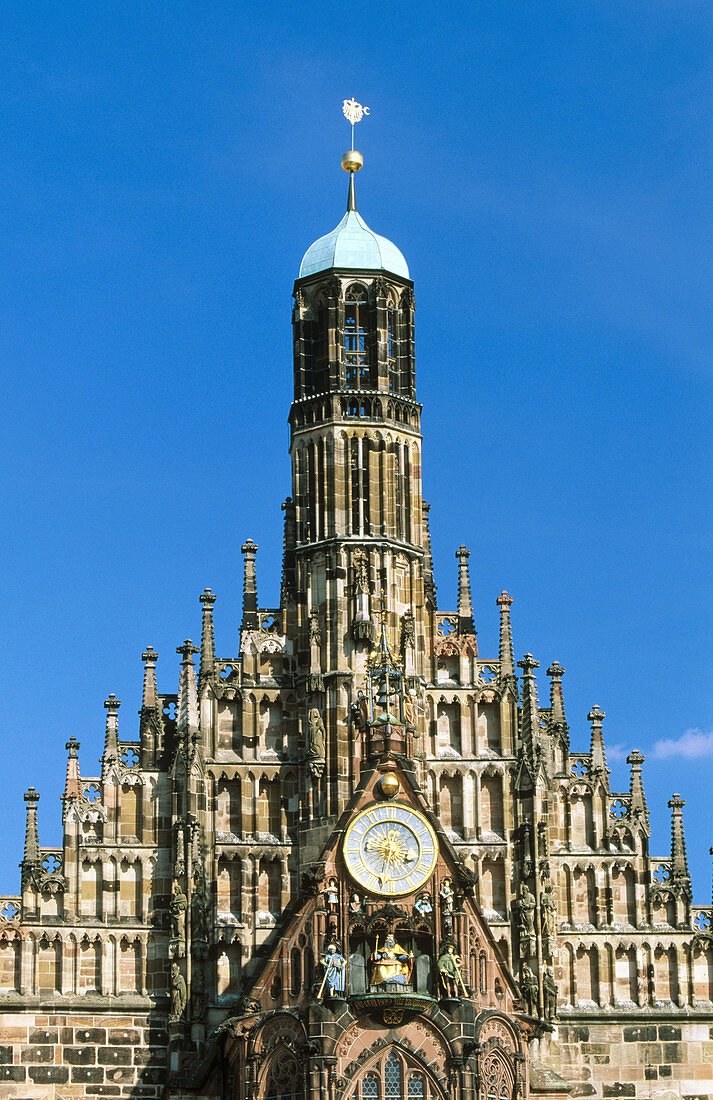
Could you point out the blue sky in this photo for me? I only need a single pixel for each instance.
(546, 171)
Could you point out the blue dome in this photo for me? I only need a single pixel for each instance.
(353, 245)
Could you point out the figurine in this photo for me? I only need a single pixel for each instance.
(356, 905)
(423, 906)
(549, 990)
(449, 971)
(391, 963)
(178, 994)
(332, 896)
(528, 985)
(446, 896)
(335, 966)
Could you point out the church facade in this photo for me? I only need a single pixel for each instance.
(359, 859)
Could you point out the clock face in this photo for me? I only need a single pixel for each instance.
(390, 849)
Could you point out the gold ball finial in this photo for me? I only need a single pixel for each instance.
(352, 161)
(389, 785)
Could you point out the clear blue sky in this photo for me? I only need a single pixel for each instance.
(545, 168)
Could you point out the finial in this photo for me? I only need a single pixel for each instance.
(111, 736)
(149, 699)
(207, 598)
(250, 618)
(32, 841)
(352, 161)
(465, 605)
(72, 783)
(507, 660)
(556, 671)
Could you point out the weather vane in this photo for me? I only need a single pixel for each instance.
(353, 112)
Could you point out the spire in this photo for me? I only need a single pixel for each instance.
(599, 760)
(207, 598)
(352, 162)
(679, 864)
(637, 799)
(32, 839)
(149, 699)
(249, 549)
(111, 737)
(556, 698)
(73, 782)
(530, 707)
(187, 709)
(507, 659)
(465, 607)
(429, 583)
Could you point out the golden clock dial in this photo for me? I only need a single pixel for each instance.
(390, 849)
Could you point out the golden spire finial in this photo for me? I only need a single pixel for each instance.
(353, 112)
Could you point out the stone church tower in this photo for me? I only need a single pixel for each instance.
(357, 860)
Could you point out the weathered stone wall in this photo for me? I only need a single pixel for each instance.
(659, 1058)
(44, 1056)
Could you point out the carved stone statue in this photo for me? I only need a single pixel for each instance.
(199, 912)
(449, 971)
(315, 630)
(331, 896)
(178, 994)
(525, 905)
(549, 992)
(361, 572)
(548, 916)
(529, 987)
(177, 909)
(422, 905)
(317, 737)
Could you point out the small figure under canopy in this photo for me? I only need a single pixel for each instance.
(390, 963)
(449, 973)
(335, 966)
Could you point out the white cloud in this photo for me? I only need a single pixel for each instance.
(691, 745)
(616, 752)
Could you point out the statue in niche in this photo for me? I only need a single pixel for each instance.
(316, 742)
(390, 963)
(178, 994)
(335, 966)
(449, 973)
(356, 905)
(549, 993)
(525, 906)
(422, 905)
(528, 985)
(408, 630)
(315, 630)
(331, 897)
(548, 918)
(361, 572)
(198, 995)
(177, 909)
(447, 899)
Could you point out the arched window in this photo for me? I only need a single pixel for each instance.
(359, 373)
(394, 1077)
(284, 1079)
(319, 381)
(497, 1077)
(392, 349)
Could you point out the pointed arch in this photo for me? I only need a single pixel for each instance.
(394, 1073)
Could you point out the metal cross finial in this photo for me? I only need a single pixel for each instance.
(353, 112)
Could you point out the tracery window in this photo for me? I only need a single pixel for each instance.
(284, 1079)
(359, 373)
(394, 1078)
(497, 1078)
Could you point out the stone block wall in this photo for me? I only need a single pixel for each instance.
(44, 1056)
(654, 1057)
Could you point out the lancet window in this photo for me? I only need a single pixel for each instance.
(284, 1079)
(360, 374)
